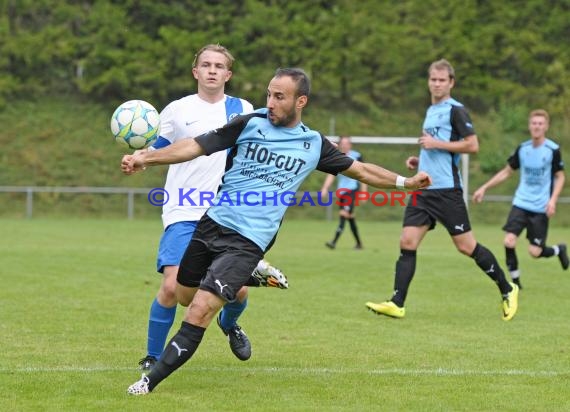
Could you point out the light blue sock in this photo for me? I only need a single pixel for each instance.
(159, 322)
(231, 312)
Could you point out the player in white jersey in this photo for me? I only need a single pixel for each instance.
(534, 203)
(185, 187)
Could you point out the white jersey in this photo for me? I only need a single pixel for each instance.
(191, 116)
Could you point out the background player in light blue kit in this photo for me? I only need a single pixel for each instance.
(349, 187)
(540, 184)
(231, 238)
(448, 132)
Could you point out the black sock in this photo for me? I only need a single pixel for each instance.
(180, 349)
(488, 264)
(339, 229)
(512, 261)
(405, 269)
(547, 252)
(354, 230)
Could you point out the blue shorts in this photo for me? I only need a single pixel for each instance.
(173, 244)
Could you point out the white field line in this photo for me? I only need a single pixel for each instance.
(308, 371)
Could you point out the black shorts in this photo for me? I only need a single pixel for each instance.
(218, 259)
(536, 225)
(346, 204)
(444, 205)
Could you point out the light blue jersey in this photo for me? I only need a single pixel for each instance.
(345, 182)
(266, 166)
(447, 121)
(537, 168)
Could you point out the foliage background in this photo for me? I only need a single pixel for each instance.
(368, 53)
(65, 66)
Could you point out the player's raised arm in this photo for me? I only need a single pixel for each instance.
(379, 177)
(498, 178)
(177, 152)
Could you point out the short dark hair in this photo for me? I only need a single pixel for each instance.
(299, 77)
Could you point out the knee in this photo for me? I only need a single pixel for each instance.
(465, 244)
(242, 294)
(168, 289)
(510, 241)
(534, 251)
(408, 243)
(199, 313)
(167, 292)
(203, 308)
(466, 249)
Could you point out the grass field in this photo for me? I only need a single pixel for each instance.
(75, 297)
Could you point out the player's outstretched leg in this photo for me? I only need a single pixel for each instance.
(563, 256)
(269, 276)
(354, 230)
(159, 323)
(487, 262)
(513, 266)
(178, 351)
(239, 342)
(405, 270)
(227, 321)
(387, 308)
(511, 303)
(337, 233)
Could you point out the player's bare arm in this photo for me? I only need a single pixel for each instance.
(559, 179)
(412, 162)
(469, 144)
(499, 178)
(327, 184)
(178, 152)
(379, 177)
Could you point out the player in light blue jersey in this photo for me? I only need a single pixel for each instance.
(540, 184)
(349, 188)
(272, 152)
(447, 132)
(191, 115)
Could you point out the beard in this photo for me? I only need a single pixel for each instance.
(284, 121)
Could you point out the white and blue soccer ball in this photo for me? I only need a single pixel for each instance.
(135, 124)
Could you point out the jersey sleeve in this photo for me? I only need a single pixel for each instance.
(557, 163)
(513, 159)
(224, 137)
(247, 107)
(332, 161)
(167, 123)
(461, 122)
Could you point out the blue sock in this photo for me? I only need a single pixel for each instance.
(231, 312)
(159, 322)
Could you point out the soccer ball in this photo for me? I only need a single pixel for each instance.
(135, 124)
